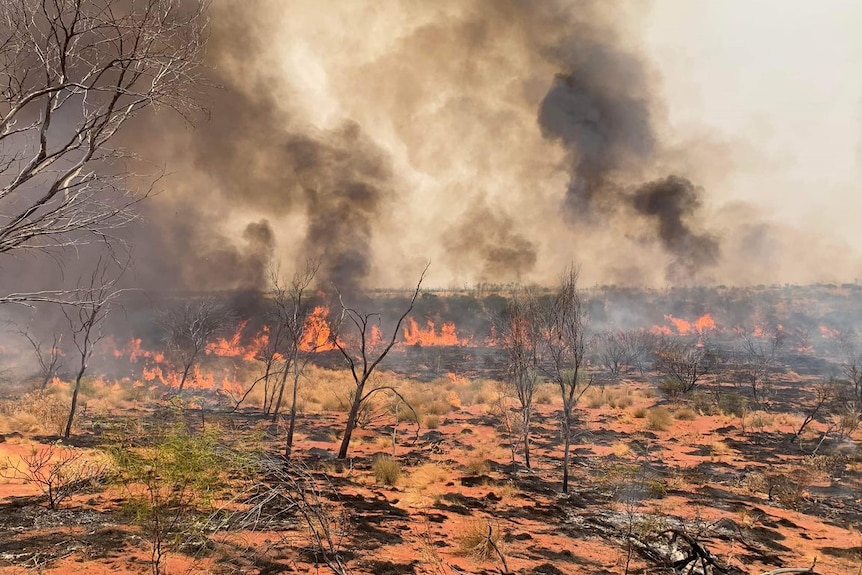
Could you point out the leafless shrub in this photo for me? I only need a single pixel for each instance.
(685, 363)
(287, 492)
(188, 327)
(58, 471)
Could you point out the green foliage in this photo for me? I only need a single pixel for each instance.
(172, 482)
(672, 388)
(656, 489)
(733, 404)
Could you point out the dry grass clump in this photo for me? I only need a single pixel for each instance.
(639, 412)
(428, 401)
(615, 397)
(386, 470)
(477, 391)
(621, 449)
(659, 419)
(477, 464)
(481, 540)
(432, 421)
(788, 488)
(325, 390)
(36, 412)
(685, 414)
(425, 485)
(759, 420)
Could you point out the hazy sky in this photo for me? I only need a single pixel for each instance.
(780, 80)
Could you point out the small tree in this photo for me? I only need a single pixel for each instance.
(521, 337)
(94, 302)
(303, 339)
(760, 349)
(851, 366)
(171, 484)
(640, 346)
(564, 339)
(684, 363)
(49, 357)
(613, 353)
(189, 327)
(352, 335)
(58, 472)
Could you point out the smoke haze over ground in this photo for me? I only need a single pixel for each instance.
(500, 139)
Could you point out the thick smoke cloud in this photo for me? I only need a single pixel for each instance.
(500, 139)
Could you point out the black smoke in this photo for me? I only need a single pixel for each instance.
(669, 203)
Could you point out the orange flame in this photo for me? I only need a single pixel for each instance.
(829, 333)
(428, 337)
(318, 334)
(698, 327)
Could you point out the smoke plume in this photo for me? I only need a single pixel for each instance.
(500, 139)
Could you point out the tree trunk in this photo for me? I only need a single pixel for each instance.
(292, 423)
(527, 440)
(567, 444)
(281, 385)
(186, 370)
(351, 422)
(78, 378)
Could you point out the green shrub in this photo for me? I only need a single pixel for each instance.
(672, 388)
(172, 483)
(702, 403)
(733, 404)
(656, 489)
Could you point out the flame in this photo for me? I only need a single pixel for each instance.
(661, 330)
(376, 337)
(428, 337)
(829, 333)
(318, 334)
(683, 327)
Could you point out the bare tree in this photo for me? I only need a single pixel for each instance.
(685, 363)
(521, 339)
(640, 346)
(72, 75)
(95, 300)
(564, 339)
(851, 365)
(613, 353)
(303, 339)
(760, 349)
(358, 352)
(51, 359)
(189, 327)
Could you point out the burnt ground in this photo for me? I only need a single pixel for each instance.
(742, 500)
